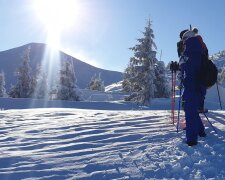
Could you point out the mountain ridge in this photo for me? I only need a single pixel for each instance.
(11, 59)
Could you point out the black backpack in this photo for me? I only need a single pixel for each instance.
(208, 72)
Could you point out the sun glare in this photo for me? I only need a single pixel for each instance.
(57, 16)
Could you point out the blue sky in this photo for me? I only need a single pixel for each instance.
(105, 29)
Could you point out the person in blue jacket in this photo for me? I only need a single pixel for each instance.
(190, 63)
(205, 55)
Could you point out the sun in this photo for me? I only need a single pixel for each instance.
(57, 16)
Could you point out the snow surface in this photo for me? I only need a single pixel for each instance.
(106, 140)
(115, 87)
(98, 144)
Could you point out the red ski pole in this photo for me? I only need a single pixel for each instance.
(172, 91)
(174, 95)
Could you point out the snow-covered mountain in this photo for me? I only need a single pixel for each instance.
(11, 59)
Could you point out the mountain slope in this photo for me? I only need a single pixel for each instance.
(11, 59)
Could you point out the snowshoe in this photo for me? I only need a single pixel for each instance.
(192, 143)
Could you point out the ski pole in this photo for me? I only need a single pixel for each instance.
(219, 95)
(172, 99)
(176, 68)
(178, 116)
(172, 96)
(210, 123)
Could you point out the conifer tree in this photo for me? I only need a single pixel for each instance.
(128, 78)
(221, 69)
(161, 84)
(221, 76)
(67, 88)
(140, 74)
(96, 83)
(40, 83)
(23, 87)
(2, 85)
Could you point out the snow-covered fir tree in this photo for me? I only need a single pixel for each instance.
(96, 83)
(218, 55)
(221, 76)
(23, 87)
(33, 84)
(128, 78)
(221, 69)
(140, 75)
(40, 83)
(67, 88)
(162, 89)
(2, 85)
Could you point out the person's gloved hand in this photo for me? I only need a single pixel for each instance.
(180, 86)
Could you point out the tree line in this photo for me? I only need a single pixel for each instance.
(34, 83)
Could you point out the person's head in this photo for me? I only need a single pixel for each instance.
(182, 33)
(187, 35)
(195, 30)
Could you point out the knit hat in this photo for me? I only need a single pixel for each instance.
(195, 30)
(182, 33)
(188, 34)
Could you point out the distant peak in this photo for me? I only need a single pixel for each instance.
(36, 44)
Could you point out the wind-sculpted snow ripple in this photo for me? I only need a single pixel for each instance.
(88, 144)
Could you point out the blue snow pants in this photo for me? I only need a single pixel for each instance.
(194, 125)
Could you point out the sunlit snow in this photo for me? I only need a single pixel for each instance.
(106, 140)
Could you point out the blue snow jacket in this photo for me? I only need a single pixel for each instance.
(190, 64)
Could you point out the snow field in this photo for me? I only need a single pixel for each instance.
(94, 144)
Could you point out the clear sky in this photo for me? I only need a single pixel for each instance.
(101, 31)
